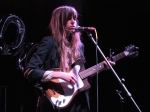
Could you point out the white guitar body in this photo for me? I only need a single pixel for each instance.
(69, 90)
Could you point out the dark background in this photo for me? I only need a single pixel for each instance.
(118, 25)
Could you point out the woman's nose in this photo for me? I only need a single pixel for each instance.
(72, 20)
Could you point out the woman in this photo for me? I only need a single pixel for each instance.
(53, 60)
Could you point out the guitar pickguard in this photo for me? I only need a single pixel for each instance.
(68, 90)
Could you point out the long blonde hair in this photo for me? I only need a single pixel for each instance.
(58, 22)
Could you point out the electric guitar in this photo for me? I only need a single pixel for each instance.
(60, 92)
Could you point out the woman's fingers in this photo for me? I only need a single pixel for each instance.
(73, 79)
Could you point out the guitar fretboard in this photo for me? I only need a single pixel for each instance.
(118, 56)
(94, 69)
(91, 70)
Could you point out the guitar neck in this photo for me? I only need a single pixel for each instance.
(97, 68)
(119, 56)
(91, 70)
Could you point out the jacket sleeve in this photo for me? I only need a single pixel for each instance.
(33, 69)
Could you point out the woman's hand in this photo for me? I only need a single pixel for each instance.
(69, 77)
(110, 62)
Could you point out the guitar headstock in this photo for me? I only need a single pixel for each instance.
(131, 51)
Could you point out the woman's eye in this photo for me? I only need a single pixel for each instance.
(75, 19)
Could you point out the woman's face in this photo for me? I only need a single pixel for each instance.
(71, 24)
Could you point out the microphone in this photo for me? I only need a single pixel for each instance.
(79, 28)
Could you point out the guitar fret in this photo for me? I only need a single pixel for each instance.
(118, 57)
(91, 70)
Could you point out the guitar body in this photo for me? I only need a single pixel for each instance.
(61, 92)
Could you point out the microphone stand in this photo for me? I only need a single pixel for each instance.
(119, 80)
(121, 99)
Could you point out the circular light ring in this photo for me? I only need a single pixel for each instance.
(25, 55)
(14, 22)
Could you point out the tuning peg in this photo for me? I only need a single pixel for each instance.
(132, 45)
(137, 48)
(134, 54)
(137, 53)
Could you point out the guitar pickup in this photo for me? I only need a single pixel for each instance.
(59, 102)
(64, 100)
